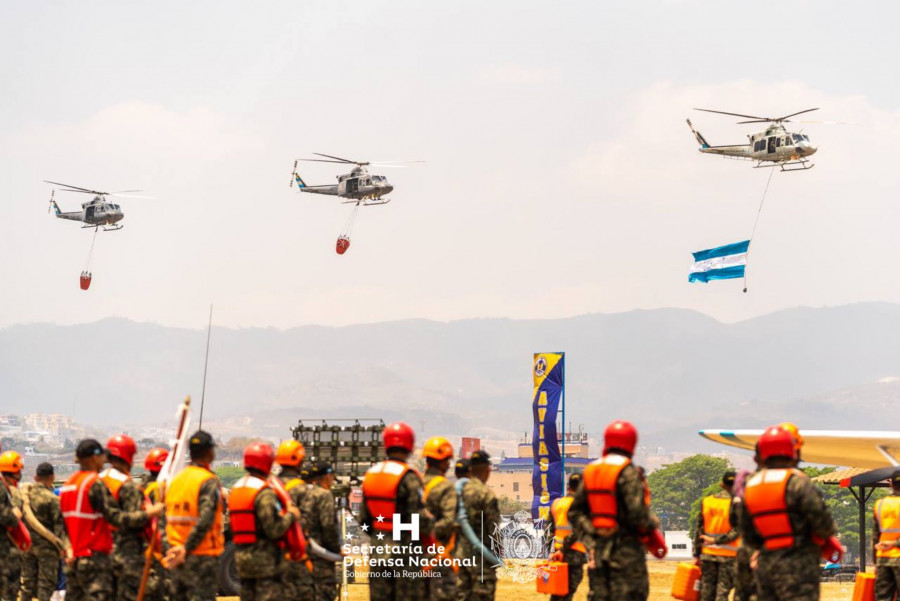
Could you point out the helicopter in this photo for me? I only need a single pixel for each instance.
(774, 145)
(357, 187)
(97, 212)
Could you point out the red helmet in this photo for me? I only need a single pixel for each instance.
(620, 435)
(155, 458)
(777, 441)
(399, 435)
(259, 456)
(123, 447)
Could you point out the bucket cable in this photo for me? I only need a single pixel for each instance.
(756, 223)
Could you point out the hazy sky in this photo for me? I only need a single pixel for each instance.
(561, 177)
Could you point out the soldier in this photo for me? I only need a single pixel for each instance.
(462, 469)
(441, 502)
(319, 521)
(612, 509)
(258, 523)
(886, 531)
(158, 583)
(11, 465)
(716, 542)
(89, 513)
(479, 582)
(393, 488)
(566, 547)
(40, 565)
(194, 517)
(783, 517)
(290, 456)
(128, 542)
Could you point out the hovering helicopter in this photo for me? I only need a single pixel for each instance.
(774, 145)
(97, 212)
(357, 187)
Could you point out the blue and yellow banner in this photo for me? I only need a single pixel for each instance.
(549, 386)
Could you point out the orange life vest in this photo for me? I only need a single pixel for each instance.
(887, 514)
(242, 508)
(88, 530)
(715, 523)
(379, 490)
(600, 485)
(182, 495)
(151, 491)
(562, 526)
(765, 500)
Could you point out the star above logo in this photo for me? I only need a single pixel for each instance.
(380, 518)
(349, 518)
(380, 535)
(365, 527)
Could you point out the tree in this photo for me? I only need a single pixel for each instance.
(228, 475)
(509, 506)
(676, 489)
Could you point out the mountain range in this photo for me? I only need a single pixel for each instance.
(671, 371)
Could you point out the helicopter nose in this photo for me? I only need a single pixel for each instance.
(388, 188)
(807, 149)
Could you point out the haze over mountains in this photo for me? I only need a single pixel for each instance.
(672, 371)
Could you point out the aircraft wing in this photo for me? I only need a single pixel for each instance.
(737, 150)
(832, 447)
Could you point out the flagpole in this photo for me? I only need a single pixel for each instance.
(563, 422)
(205, 366)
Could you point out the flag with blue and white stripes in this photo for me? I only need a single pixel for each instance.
(722, 263)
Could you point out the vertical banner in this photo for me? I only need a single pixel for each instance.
(549, 386)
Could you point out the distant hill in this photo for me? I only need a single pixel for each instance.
(670, 370)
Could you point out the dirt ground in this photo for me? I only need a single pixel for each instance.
(661, 575)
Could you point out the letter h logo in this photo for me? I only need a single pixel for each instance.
(412, 527)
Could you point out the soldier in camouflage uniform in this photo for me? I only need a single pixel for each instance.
(479, 582)
(744, 575)
(611, 510)
(258, 524)
(319, 519)
(158, 584)
(567, 548)
(89, 572)
(129, 542)
(194, 563)
(391, 487)
(441, 503)
(10, 514)
(886, 539)
(40, 565)
(716, 551)
(298, 577)
(794, 516)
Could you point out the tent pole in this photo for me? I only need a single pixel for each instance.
(862, 528)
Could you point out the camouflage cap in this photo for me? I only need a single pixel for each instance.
(320, 468)
(480, 457)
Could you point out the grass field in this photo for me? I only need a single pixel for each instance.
(661, 575)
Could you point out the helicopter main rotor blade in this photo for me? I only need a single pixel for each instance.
(384, 163)
(795, 114)
(73, 188)
(755, 121)
(124, 191)
(338, 158)
(117, 195)
(735, 114)
(325, 161)
(829, 122)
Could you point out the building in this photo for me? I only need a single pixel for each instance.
(512, 476)
(54, 423)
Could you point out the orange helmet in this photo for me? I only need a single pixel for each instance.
(795, 432)
(155, 459)
(290, 452)
(437, 447)
(11, 463)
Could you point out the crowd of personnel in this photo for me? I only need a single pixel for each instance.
(761, 536)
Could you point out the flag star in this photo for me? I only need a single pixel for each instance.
(380, 518)
(365, 527)
(380, 535)
(349, 518)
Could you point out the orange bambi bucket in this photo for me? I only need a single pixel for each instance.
(864, 590)
(552, 578)
(686, 585)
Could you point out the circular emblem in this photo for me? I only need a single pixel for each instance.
(540, 367)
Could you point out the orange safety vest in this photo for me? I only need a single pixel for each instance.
(151, 491)
(715, 523)
(600, 485)
(182, 513)
(88, 530)
(765, 501)
(379, 490)
(887, 514)
(562, 526)
(242, 508)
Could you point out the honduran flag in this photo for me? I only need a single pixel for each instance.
(722, 263)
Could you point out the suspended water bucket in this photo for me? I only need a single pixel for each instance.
(85, 280)
(343, 243)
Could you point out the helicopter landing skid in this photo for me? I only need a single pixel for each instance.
(374, 202)
(801, 165)
(106, 228)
